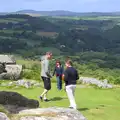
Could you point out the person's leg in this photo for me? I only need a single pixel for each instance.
(69, 90)
(73, 91)
(45, 88)
(45, 96)
(60, 78)
(58, 82)
(44, 92)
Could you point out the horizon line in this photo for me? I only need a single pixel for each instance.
(59, 10)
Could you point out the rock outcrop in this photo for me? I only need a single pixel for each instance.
(52, 113)
(14, 71)
(8, 59)
(22, 83)
(94, 81)
(15, 112)
(13, 98)
(3, 116)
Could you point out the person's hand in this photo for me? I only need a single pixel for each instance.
(50, 76)
(63, 76)
(65, 89)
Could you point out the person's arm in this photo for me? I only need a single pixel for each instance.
(54, 71)
(77, 75)
(62, 69)
(65, 76)
(47, 68)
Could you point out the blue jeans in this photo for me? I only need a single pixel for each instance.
(59, 83)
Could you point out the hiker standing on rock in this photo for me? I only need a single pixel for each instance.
(58, 71)
(45, 75)
(70, 77)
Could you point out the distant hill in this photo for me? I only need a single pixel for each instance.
(3, 13)
(68, 13)
(65, 13)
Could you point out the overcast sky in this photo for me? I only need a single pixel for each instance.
(71, 5)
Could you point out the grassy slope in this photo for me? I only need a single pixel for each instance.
(89, 17)
(95, 104)
(13, 20)
(47, 34)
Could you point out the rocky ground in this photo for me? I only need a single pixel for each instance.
(18, 107)
(22, 83)
(33, 83)
(53, 113)
(94, 81)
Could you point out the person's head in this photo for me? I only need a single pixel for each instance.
(49, 55)
(58, 63)
(68, 63)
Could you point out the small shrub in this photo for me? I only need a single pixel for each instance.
(31, 75)
(35, 67)
(117, 80)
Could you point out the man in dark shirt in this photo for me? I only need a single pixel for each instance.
(70, 77)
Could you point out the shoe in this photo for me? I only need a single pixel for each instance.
(41, 98)
(46, 100)
(71, 107)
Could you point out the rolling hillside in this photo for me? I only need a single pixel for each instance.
(64, 13)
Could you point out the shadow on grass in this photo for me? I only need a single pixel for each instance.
(82, 109)
(57, 98)
(102, 105)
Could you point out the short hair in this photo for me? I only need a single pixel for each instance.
(69, 62)
(48, 53)
(67, 58)
(58, 62)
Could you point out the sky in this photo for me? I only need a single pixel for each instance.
(70, 5)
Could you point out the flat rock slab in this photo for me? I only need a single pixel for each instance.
(3, 116)
(52, 113)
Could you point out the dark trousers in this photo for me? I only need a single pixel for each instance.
(59, 82)
(47, 83)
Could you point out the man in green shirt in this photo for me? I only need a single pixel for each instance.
(45, 75)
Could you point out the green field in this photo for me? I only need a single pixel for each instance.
(94, 104)
(90, 17)
(47, 34)
(13, 20)
(12, 31)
